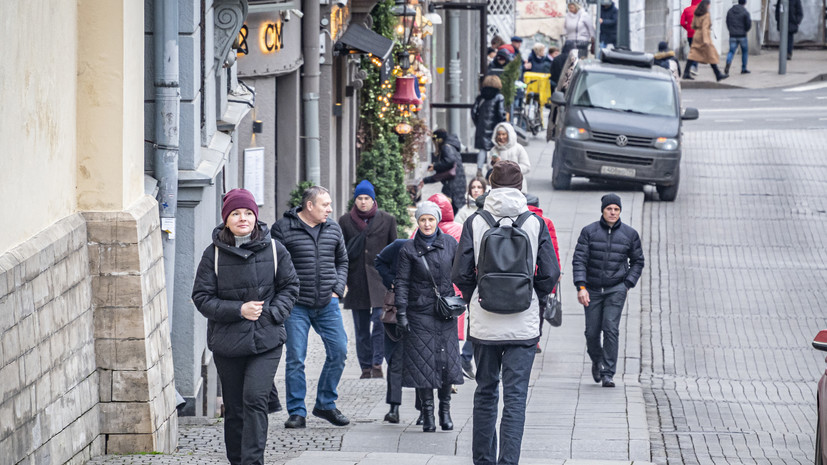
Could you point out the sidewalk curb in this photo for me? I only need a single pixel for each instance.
(723, 85)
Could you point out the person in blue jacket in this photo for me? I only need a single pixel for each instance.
(608, 23)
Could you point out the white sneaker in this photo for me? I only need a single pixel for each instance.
(693, 71)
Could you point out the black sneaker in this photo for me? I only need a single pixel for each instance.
(608, 382)
(745, 71)
(596, 371)
(295, 421)
(334, 416)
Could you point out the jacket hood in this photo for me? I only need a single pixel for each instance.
(512, 135)
(664, 55)
(246, 249)
(444, 204)
(505, 201)
(293, 213)
(489, 92)
(453, 140)
(696, 2)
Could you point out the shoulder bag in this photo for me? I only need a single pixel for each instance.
(553, 308)
(447, 308)
(389, 308)
(446, 175)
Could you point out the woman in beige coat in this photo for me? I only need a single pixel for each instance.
(702, 50)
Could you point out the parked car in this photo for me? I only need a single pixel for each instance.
(820, 343)
(619, 119)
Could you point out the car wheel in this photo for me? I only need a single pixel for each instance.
(819, 453)
(560, 179)
(669, 193)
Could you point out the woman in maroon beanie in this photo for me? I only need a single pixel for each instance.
(245, 286)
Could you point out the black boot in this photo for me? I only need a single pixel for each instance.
(445, 408)
(419, 419)
(726, 68)
(719, 76)
(428, 422)
(393, 414)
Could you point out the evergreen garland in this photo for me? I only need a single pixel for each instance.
(511, 73)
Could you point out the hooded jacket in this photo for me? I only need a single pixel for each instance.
(738, 21)
(607, 256)
(320, 263)
(578, 26)
(449, 156)
(487, 112)
(485, 327)
(608, 26)
(511, 150)
(552, 231)
(245, 273)
(796, 15)
(687, 16)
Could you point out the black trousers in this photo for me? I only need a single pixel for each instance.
(246, 383)
(393, 354)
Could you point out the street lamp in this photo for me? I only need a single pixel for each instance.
(404, 29)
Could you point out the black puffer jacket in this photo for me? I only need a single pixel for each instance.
(605, 257)
(244, 274)
(321, 263)
(738, 21)
(796, 15)
(431, 357)
(449, 154)
(487, 112)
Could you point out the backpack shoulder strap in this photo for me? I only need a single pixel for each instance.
(488, 217)
(522, 218)
(275, 258)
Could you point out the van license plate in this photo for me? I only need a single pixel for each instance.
(617, 171)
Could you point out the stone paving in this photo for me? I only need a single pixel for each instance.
(732, 292)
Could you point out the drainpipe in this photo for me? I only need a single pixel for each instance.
(454, 72)
(167, 111)
(310, 97)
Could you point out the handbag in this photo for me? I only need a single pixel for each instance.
(553, 308)
(447, 308)
(389, 308)
(446, 175)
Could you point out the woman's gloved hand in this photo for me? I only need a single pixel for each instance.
(402, 323)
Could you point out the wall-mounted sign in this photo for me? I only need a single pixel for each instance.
(254, 172)
(269, 43)
(271, 38)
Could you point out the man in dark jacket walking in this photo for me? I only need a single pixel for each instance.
(738, 22)
(607, 262)
(504, 342)
(367, 230)
(320, 258)
(796, 16)
(448, 168)
(608, 23)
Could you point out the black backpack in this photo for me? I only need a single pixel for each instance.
(505, 266)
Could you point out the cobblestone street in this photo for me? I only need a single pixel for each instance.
(732, 294)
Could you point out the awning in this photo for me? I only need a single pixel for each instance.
(361, 39)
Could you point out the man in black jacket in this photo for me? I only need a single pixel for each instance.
(607, 262)
(796, 16)
(738, 22)
(318, 251)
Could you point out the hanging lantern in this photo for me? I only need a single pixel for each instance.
(405, 93)
(403, 128)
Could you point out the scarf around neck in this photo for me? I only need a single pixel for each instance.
(360, 218)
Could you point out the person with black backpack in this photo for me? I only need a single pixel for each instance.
(607, 262)
(504, 263)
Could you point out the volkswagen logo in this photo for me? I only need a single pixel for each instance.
(621, 140)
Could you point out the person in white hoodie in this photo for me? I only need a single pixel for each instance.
(504, 342)
(507, 148)
(578, 30)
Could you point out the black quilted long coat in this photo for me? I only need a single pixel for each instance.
(431, 355)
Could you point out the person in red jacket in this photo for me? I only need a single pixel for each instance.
(686, 21)
(533, 205)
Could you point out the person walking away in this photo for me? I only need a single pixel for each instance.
(386, 263)
(738, 23)
(538, 60)
(796, 16)
(487, 112)
(607, 262)
(476, 188)
(666, 59)
(366, 230)
(245, 286)
(533, 203)
(703, 50)
(507, 148)
(505, 333)
(318, 252)
(448, 168)
(687, 16)
(608, 23)
(431, 352)
(578, 30)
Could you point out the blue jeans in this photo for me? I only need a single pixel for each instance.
(515, 362)
(603, 315)
(734, 43)
(327, 322)
(467, 351)
(369, 342)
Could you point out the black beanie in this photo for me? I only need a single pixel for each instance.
(610, 199)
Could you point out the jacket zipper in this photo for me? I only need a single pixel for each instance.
(606, 261)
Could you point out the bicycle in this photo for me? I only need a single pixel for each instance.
(528, 112)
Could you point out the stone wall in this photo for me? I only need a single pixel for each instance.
(86, 363)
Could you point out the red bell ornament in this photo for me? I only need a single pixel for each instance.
(405, 93)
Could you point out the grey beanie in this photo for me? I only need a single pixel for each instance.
(429, 208)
